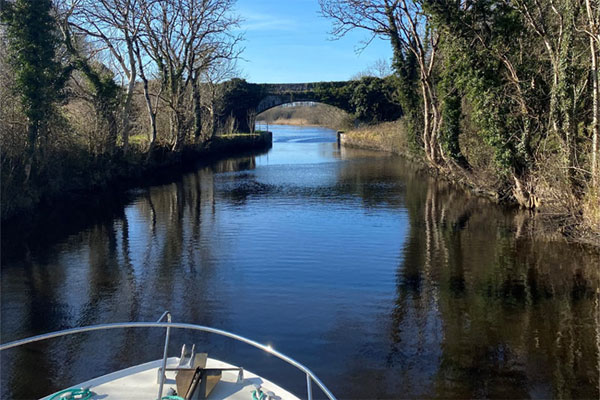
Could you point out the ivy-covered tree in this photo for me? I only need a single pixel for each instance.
(39, 77)
(103, 89)
(238, 97)
(373, 100)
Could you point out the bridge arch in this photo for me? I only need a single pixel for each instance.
(273, 100)
(243, 99)
(310, 113)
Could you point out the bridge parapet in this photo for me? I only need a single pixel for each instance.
(278, 88)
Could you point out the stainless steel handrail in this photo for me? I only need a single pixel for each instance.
(166, 314)
(120, 325)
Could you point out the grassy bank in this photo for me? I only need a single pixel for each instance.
(575, 220)
(387, 136)
(75, 173)
(291, 121)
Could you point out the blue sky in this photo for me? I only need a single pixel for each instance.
(287, 41)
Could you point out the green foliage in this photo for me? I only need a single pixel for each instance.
(370, 99)
(406, 80)
(337, 94)
(451, 114)
(451, 102)
(33, 43)
(105, 90)
(373, 100)
(239, 98)
(475, 42)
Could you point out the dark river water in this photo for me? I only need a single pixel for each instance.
(382, 280)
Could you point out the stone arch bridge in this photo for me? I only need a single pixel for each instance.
(242, 99)
(278, 94)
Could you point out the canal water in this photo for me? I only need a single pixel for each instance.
(382, 280)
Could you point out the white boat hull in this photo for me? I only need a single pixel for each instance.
(140, 382)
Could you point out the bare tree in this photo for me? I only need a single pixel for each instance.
(183, 38)
(409, 30)
(251, 119)
(224, 50)
(379, 69)
(593, 30)
(114, 27)
(212, 78)
(151, 99)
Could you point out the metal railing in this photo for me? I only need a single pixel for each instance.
(163, 369)
(310, 376)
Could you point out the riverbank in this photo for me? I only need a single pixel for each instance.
(290, 121)
(290, 234)
(307, 114)
(569, 220)
(74, 175)
(391, 137)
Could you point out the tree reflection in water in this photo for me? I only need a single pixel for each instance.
(513, 316)
(387, 283)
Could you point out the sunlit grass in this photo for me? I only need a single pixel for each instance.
(235, 135)
(387, 136)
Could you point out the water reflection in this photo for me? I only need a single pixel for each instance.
(508, 317)
(387, 283)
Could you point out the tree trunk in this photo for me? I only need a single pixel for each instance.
(126, 112)
(33, 133)
(149, 107)
(213, 121)
(106, 115)
(430, 123)
(178, 129)
(197, 112)
(434, 127)
(595, 121)
(151, 116)
(524, 196)
(426, 136)
(593, 25)
(152, 130)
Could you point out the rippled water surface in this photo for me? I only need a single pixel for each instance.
(385, 282)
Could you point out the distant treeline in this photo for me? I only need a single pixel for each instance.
(91, 88)
(500, 92)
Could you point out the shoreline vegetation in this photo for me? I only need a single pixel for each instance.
(293, 122)
(391, 137)
(394, 137)
(135, 169)
(499, 95)
(93, 95)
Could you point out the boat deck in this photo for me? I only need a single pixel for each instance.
(140, 382)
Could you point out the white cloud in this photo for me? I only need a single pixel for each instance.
(254, 21)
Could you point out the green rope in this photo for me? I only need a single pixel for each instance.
(86, 394)
(73, 394)
(258, 395)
